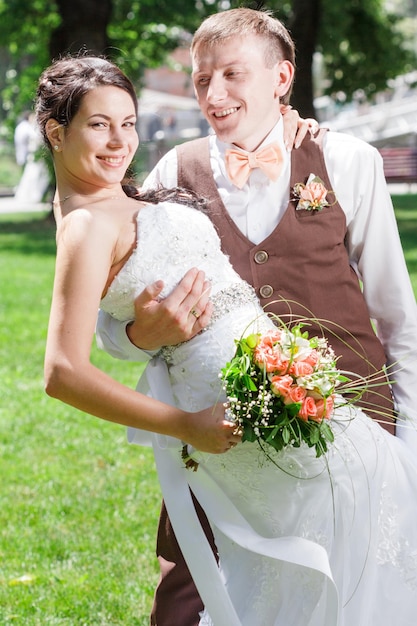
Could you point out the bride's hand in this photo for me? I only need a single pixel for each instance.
(209, 431)
(295, 127)
(176, 318)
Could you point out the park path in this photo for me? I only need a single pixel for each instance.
(8, 204)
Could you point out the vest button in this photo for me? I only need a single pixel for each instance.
(261, 257)
(266, 291)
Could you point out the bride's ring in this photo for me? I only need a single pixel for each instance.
(195, 313)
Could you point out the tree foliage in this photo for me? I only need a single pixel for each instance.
(364, 49)
(134, 33)
(359, 43)
(25, 30)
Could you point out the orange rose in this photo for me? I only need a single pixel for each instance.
(315, 193)
(270, 338)
(325, 408)
(300, 368)
(280, 385)
(295, 394)
(270, 358)
(308, 409)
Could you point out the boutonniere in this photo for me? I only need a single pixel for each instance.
(312, 196)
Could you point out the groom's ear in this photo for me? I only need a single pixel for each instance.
(284, 76)
(55, 134)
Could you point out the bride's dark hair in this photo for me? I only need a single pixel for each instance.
(179, 195)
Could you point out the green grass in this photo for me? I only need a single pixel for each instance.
(10, 171)
(406, 213)
(78, 505)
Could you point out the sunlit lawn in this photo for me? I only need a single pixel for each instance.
(406, 212)
(78, 505)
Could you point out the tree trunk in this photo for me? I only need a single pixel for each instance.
(304, 26)
(83, 27)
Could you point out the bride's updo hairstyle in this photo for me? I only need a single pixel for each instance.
(63, 85)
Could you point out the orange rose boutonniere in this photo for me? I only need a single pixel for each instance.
(312, 196)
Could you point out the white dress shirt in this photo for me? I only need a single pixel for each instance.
(356, 173)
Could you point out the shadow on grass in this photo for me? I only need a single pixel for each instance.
(28, 233)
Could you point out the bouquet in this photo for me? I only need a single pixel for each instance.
(281, 388)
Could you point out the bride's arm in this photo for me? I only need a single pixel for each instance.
(84, 253)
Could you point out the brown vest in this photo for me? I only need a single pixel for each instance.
(302, 268)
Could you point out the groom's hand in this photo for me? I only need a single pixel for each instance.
(176, 318)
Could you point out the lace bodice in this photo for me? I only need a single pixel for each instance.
(171, 238)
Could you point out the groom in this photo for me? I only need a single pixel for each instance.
(329, 265)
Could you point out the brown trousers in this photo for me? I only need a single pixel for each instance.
(176, 601)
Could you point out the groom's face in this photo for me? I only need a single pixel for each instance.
(237, 93)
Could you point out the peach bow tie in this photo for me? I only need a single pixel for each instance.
(239, 164)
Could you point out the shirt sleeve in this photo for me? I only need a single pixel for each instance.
(111, 334)
(165, 172)
(111, 337)
(375, 252)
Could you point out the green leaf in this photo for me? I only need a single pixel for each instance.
(293, 408)
(327, 432)
(314, 435)
(286, 434)
(248, 382)
(248, 434)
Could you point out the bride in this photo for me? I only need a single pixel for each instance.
(302, 541)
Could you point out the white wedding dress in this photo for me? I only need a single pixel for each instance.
(302, 541)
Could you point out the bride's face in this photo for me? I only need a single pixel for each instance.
(99, 144)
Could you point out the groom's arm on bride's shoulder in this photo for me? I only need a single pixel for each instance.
(159, 321)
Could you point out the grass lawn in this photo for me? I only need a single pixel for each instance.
(78, 505)
(406, 212)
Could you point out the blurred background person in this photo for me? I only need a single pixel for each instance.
(35, 178)
(22, 135)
